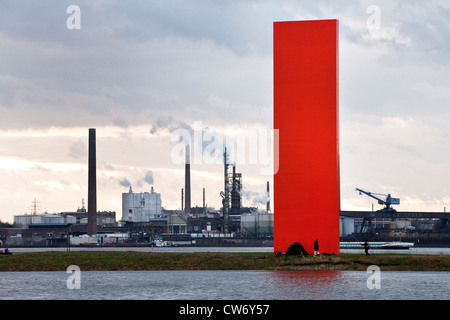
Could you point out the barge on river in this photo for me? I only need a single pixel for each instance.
(377, 245)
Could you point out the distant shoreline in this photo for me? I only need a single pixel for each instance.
(229, 249)
(135, 260)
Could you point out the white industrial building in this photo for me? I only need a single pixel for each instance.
(24, 220)
(141, 207)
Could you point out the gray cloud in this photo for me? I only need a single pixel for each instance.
(165, 64)
(120, 123)
(78, 150)
(129, 62)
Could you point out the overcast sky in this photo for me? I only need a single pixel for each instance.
(140, 71)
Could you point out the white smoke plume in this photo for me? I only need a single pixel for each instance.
(125, 182)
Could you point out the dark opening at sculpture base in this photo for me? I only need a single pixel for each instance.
(296, 249)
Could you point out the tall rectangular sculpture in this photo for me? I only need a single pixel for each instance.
(306, 185)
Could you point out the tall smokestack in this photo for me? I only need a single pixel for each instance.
(187, 182)
(92, 186)
(204, 199)
(268, 197)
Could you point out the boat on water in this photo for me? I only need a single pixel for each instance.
(377, 245)
(161, 243)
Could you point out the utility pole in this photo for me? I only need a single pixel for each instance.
(204, 201)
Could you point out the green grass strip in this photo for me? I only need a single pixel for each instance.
(131, 260)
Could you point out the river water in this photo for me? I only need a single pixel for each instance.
(225, 285)
(229, 285)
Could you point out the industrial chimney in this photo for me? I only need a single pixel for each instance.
(204, 199)
(187, 182)
(92, 186)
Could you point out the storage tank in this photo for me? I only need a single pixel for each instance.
(265, 224)
(347, 226)
(52, 219)
(22, 221)
(70, 219)
(257, 224)
(47, 218)
(402, 224)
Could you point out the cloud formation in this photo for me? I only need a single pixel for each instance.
(139, 69)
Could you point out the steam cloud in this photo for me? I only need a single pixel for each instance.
(255, 197)
(125, 182)
(169, 124)
(149, 177)
(262, 199)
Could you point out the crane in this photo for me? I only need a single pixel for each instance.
(387, 202)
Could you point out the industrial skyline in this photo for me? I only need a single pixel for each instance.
(139, 71)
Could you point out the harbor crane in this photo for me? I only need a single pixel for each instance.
(387, 202)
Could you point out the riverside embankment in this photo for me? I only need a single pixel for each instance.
(133, 260)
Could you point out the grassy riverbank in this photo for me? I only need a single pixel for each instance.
(130, 260)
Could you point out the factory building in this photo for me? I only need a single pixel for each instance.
(25, 220)
(103, 218)
(177, 223)
(141, 207)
